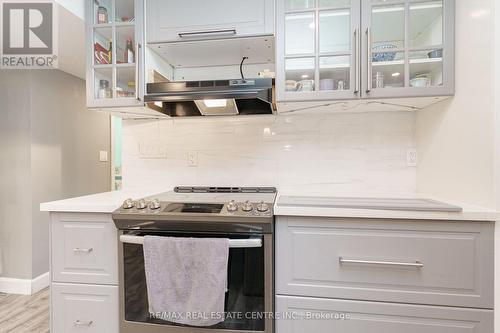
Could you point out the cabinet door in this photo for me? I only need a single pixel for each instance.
(330, 315)
(84, 248)
(173, 20)
(84, 308)
(115, 58)
(420, 262)
(408, 48)
(318, 50)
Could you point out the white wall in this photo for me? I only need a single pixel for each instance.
(343, 154)
(456, 138)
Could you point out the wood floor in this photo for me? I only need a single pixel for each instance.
(24, 314)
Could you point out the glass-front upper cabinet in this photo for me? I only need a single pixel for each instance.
(318, 49)
(408, 48)
(115, 54)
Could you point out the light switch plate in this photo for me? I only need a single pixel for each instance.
(152, 150)
(192, 159)
(103, 156)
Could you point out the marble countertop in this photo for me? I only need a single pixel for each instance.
(286, 205)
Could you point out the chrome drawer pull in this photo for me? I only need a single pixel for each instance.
(416, 264)
(79, 250)
(207, 33)
(83, 322)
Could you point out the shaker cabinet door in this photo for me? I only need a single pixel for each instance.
(172, 20)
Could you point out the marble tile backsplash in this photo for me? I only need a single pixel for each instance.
(328, 154)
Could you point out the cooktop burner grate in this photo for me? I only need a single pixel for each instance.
(215, 189)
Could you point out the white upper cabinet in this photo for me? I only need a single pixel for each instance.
(351, 49)
(174, 20)
(115, 53)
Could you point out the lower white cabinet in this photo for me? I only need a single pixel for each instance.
(84, 308)
(84, 273)
(351, 275)
(333, 315)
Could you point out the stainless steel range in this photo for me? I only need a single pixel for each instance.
(242, 214)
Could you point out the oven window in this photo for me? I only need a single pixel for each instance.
(244, 299)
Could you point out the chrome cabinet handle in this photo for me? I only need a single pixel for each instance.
(356, 57)
(80, 250)
(207, 33)
(83, 322)
(416, 264)
(138, 56)
(369, 59)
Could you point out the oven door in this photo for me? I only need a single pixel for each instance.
(249, 298)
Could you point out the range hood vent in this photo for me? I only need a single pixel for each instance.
(212, 98)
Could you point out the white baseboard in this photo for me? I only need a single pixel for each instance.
(24, 286)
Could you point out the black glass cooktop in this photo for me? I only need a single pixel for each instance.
(193, 208)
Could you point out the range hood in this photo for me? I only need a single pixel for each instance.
(212, 98)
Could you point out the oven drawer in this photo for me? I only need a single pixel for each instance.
(330, 315)
(84, 248)
(84, 308)
(421, 262)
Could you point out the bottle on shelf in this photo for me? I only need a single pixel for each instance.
(110, 51)
(102, 14)
(129, 56)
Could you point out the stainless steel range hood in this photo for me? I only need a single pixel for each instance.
(212, 98)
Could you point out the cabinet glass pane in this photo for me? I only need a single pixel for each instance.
(103, 83)
(125, 81)
(334, 31)
(334, 3)
(426, 68)
(298, 4)
(388, 70)
(102, 11)
(124, 11)
(426, 24)
(102, 46)
(300, 74)
(388, 24)
(334, 73)
(125, 45)
(299, 33)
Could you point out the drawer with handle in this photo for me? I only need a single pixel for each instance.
(84, 308)
(331, 315)
(421, 262)
(84, 248)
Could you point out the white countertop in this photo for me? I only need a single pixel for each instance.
(107, 202)
(284, 207)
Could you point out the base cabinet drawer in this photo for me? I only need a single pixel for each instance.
(84, 248)
(84, 308)
(303, 314)
(418, 262)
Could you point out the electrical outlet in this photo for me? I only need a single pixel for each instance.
(192, 159)
(103, 156)
(411, 157)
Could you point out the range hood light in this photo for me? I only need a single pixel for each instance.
(215, 103)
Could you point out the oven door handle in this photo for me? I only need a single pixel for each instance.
(233, 243)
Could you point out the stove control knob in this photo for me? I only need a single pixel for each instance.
(155, 204)
(247, 206)
(262, 207)
(141, 204)
(232, 206)
(128, 204)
